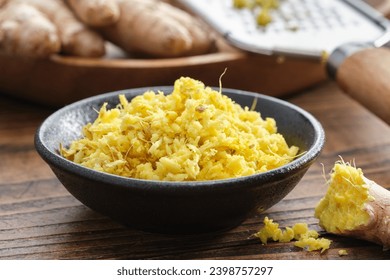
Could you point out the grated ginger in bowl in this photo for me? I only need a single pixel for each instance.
(194, 133)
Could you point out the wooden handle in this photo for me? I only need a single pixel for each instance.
(365, 76)
(382, 6)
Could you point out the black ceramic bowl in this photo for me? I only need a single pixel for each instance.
(177, 207)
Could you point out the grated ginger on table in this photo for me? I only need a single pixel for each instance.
(194, 133)
(306, 239)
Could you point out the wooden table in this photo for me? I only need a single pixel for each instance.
(39, 219)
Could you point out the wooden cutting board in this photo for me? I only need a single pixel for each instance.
(62, 80)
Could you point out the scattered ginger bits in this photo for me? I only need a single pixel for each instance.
(194, 133)
(305, 238)
(343, 252)
(343, 206)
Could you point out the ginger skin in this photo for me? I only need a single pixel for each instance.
(157, 29)
(377, 229)
(96, 13)
(27, 32)
(40, 28)
(76, 38)
(355, 206)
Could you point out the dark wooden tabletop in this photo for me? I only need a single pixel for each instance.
(39, 219)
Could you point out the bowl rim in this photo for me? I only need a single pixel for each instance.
(56, 160)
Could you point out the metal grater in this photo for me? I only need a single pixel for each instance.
(305, 28)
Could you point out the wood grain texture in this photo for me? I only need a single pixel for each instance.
(39, 219)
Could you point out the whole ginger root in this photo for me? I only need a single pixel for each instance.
(355, 206)
(158, 29)
(25, 31)
(79, 28)
(40, 28)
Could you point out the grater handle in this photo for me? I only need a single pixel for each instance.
(365, 76)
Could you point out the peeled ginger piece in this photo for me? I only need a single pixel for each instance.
(355, 206)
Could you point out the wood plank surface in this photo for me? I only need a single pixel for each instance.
(39, 219)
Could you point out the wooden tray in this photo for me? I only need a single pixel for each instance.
(62, 80)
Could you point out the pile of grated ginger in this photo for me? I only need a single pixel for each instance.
(194, 133)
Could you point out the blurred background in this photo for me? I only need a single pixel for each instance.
(57, 52)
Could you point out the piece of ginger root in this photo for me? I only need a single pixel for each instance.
(305, 238)
(96, 13)
(355, 206)
(76, 37)
(27, 32)
(40, 28)
(157, 29)
(140, 27)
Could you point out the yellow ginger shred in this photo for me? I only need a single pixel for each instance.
(305, 238)
(194, 133)
(313, 244)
